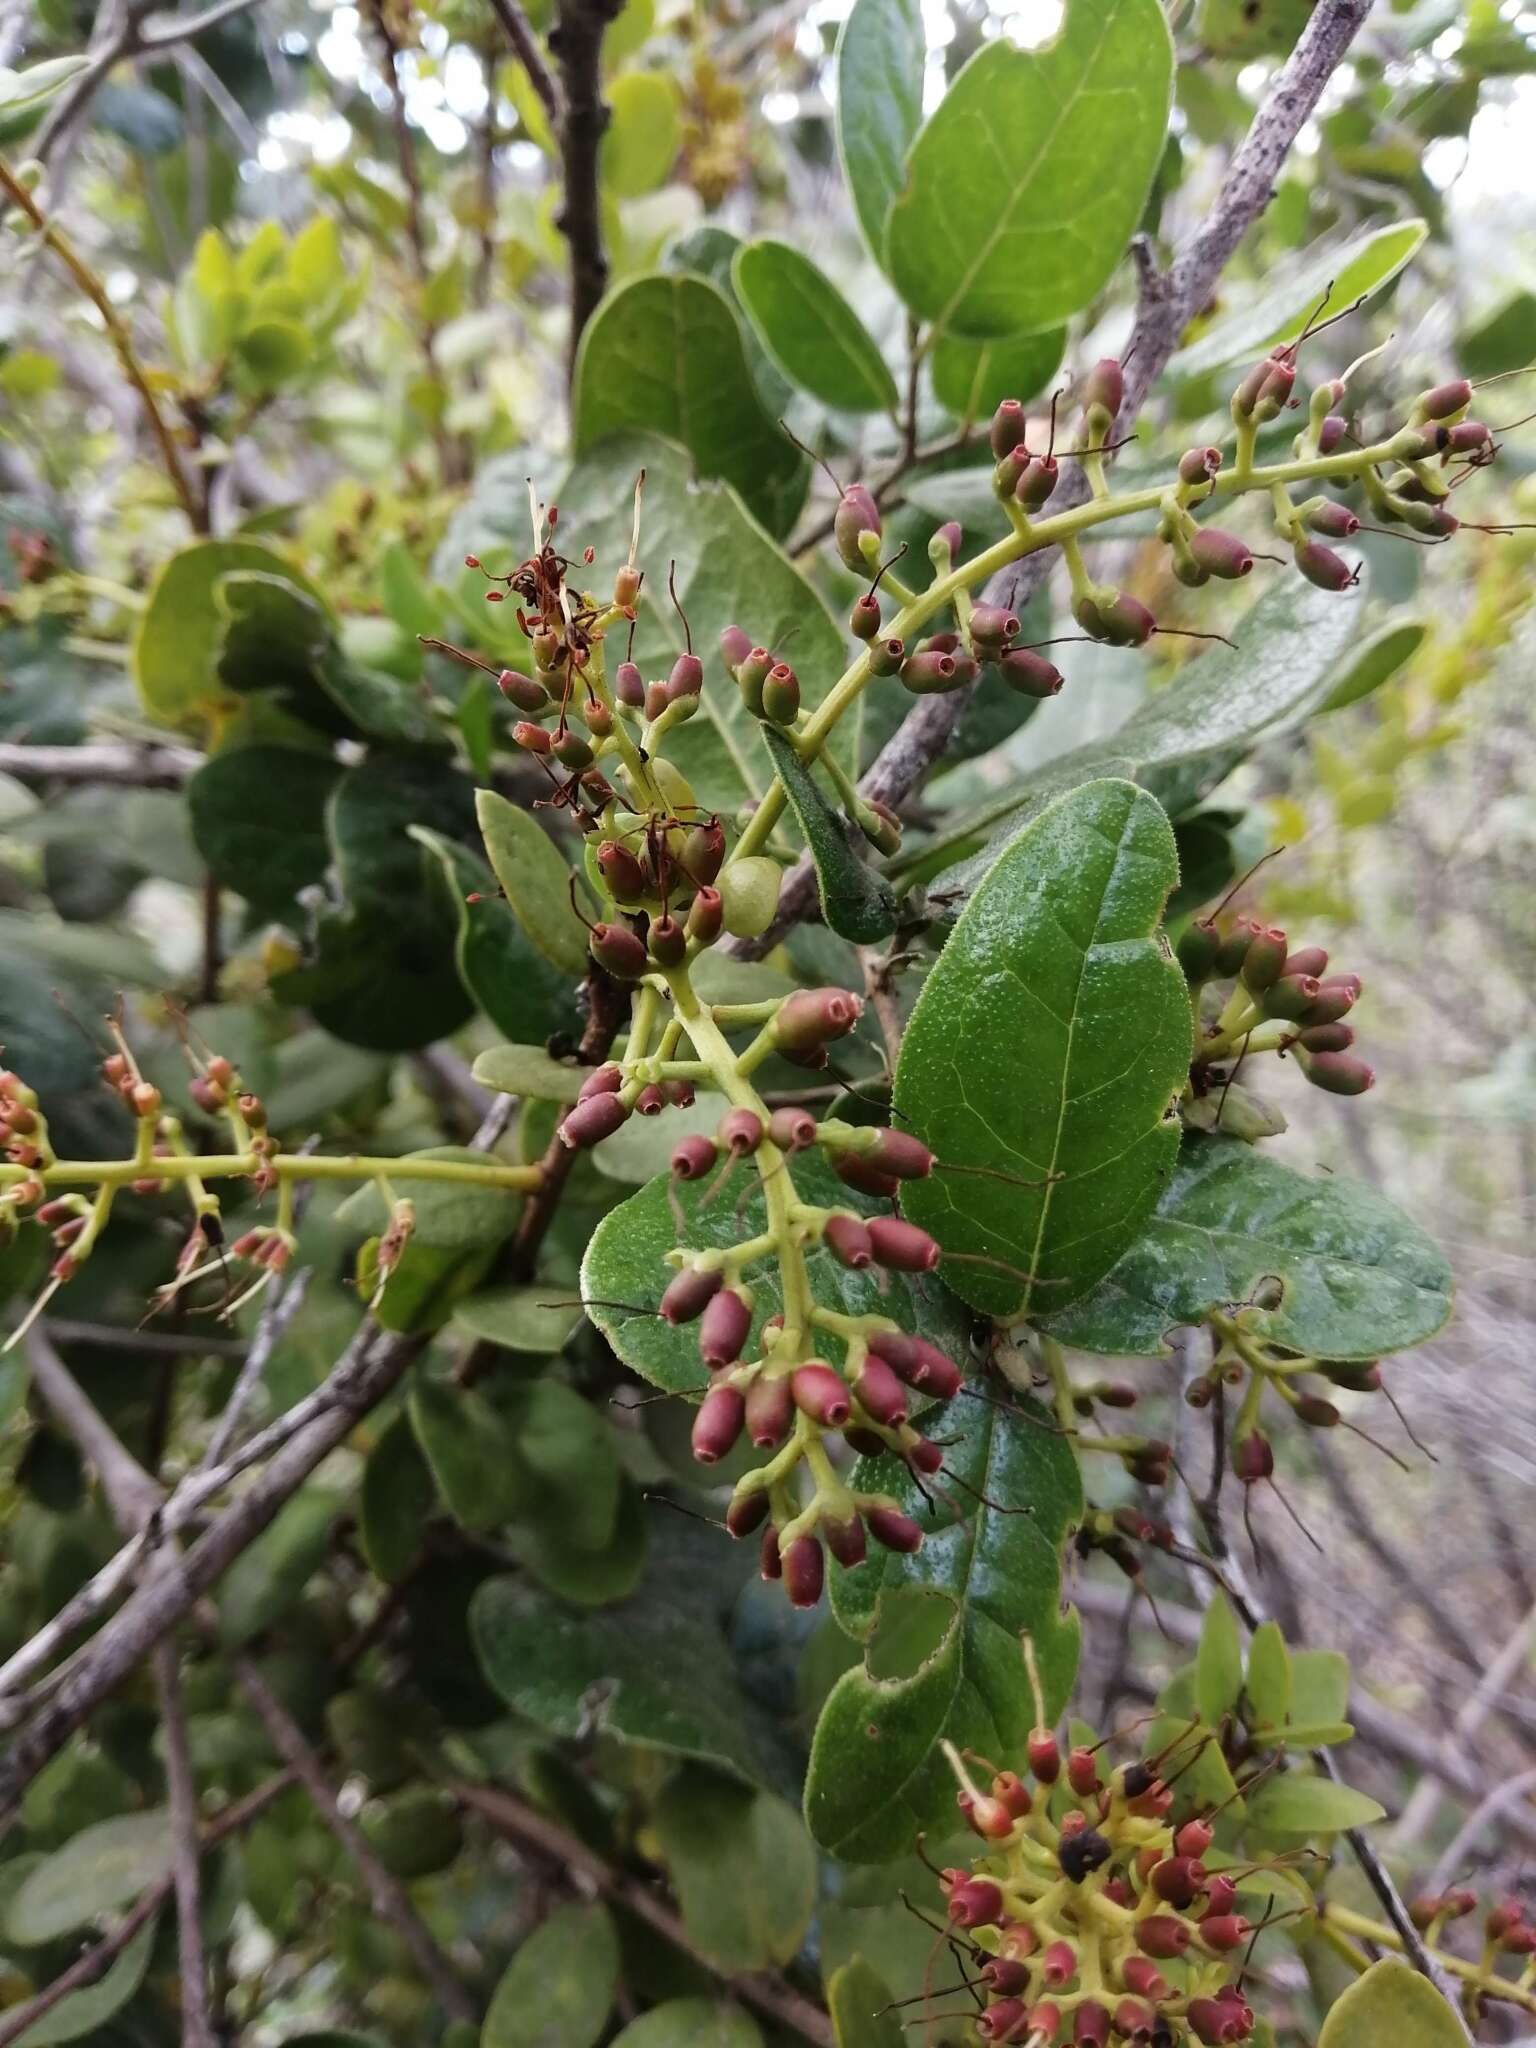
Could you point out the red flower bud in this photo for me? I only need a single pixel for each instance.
(718, 1423)
(821, 1394)
(902, 1247)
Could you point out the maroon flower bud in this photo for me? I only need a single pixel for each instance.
(1253, 1457)
(893, 1530)
(792, 1129)
(718, 1423)
(706, 916)
(1035, 486)
(770, 1562)
(690, 1292)
(1446, 399)
(740, 1131)
(804, 1571)
(1162, 1936)
(770, 1412)
(902, 1247)
(864, 619)
(668, 941)
(703, 851)
(616, 947)
(588, 1123)
(1334, 521)
(856, 514)
(1323, 567)
(976, 1903)
(1029, 673)
(821, 1394)
(693, 1157)
(857, 1172)
(735, 646)
(930, 674)
(746, 1511)
(880, 1393)
(848, 1242)
(901, 1155)
(522, 691)
(1337, 1073)
(886, 657)
(815, 1016)
(1199, 465)
(725, 1328)
(629, 685)
(1008, 427)
(1220, 553)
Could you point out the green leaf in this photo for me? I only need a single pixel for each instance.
(692, 2023)
(536, 878)
(728, 571)
(1295, 1804)
(972, 378)
(529, 1070)
(1391, 2002)
(1218, 1662)
(474, 1455)
(1026, 183)
(1058, 949)
(989, 1573)
(266, 1580)
(1359, 1278)
(810, 330)
(742, 1867)
(258, 815)
(625, 1264)
(641, 141)
(1185, 739)
(558, 1990)
(857, 2001)
(1374, 662)
(858, 904)
(175, 649)
(522, 1319)
(880, 58)
(398, 1496)
(102, 1867)
(1280, 305)
(655, 1671)
(1267, 1683)
(509, 978)
(82, 2015)
(663, 355)
(458, 1229)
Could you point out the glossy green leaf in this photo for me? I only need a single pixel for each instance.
(1057, 955)
(509, 978)
(268, 1577)
(531, 1320)
(1024, 186)
(810, 330)
(529, 1070)
(558, 1990)
(992, 1554)
(473, 1453)
(1375, 662)
(655, 1671)
(397, 1499)
(972, 378)
(83, 2015)
(258, 815)
(663, 355)
(1218, 1662)
(728, 571)
(880, 58)
(858, 2006)
(536, 878)
(1267, 1681)
(625, 1264)
(856, 902)
(1359, 1278)
(1391, 2002)
(644, 130)
(692, 2023)
(1185, 739)
(1279, 307)
(1294, 1803)
(742, 1868)
(181, 629)
(102, 1867)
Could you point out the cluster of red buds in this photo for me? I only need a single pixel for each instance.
(1092, 1916)
(1281, 999)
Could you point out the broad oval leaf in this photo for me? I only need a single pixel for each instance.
(536, 878)
(880, 58)
(810, 330)
(663, 355)
(1359, 1278)
(1391, 2002)
(972, 378)
(856, 902)
(101, 1867)
(625, 1265)
(1046, 1047)
(1279, 310)
(1024, 187)
(558, 1989)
